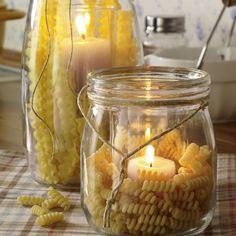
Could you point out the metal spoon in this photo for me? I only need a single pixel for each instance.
(205, 47)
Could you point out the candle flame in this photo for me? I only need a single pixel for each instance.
(147, 134)
(81, 22)
(150, 153)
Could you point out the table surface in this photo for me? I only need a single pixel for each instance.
(15, 220)
(11, 122)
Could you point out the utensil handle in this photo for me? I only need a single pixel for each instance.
(229, 3)
(11, 14)
(205, 47)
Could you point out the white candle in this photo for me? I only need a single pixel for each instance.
(88, 53)
(150, 167)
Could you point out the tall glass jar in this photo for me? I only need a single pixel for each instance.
(154, 171)
(64, 40)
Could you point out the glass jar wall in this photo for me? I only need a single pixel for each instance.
(166, 186)
(64, 40)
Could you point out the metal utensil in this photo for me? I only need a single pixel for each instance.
(205, 47)
(228, 43)
(227, 3)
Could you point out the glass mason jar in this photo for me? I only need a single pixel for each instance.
(148, 152)
(64, 40)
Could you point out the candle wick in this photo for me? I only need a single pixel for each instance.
(83, 36)
(150, 164)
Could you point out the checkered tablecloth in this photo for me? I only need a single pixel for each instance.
(15, 180)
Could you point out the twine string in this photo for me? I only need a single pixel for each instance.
(71, 51)
(81, 95)
(112, 197)
(40, 79)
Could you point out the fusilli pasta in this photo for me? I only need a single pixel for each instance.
(38, 210)
(159, 186)
(49, 218)
(30, 200)
(59, 198)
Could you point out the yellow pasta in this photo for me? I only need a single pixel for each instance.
(105, 193)
(171, 146)
(133, 226)
(30, 200)
(184, 170)
(186, 196)
(192, 205)
(181, 178)
(159, 186)
(189, 155)
(145, 206)
(138, 208)
(179, 214)
(204, 153)
(50, 203)
(59, 198)
(38, 210)
(157, 220)
(201, 194)
(147, 196)
(196, 167)
(195, 183)
(180, 224)
(164, 206)
(129, 186)
(50, 218)
(95, 207)
(126, 54)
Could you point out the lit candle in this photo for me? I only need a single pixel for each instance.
(150, 167)
(89, 53)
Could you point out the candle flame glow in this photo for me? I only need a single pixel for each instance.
(150, 153)
(147, 134)
(81, 22)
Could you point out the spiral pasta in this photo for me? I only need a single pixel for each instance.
(201, 194)
(134, 227)
(147, 196)
(153, 206)
(204, 153)
(180, 214)
(138, 208)
(126, 54)
(191, 205)
(129, 186)
(171, 146)
(59, 198)
(30, 200)
(50, 203)
(159, 186)
(186, 196)
(180, 224)
(38, 211)
(183, 177)
(157, 220)
(196, 183)
(189, 155)
(50, 218)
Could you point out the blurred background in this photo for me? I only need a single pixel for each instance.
(200, 16)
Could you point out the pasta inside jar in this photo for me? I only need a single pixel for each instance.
(166, 186)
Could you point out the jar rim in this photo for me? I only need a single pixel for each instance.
(148, 85)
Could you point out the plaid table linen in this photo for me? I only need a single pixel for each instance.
(15, 180)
